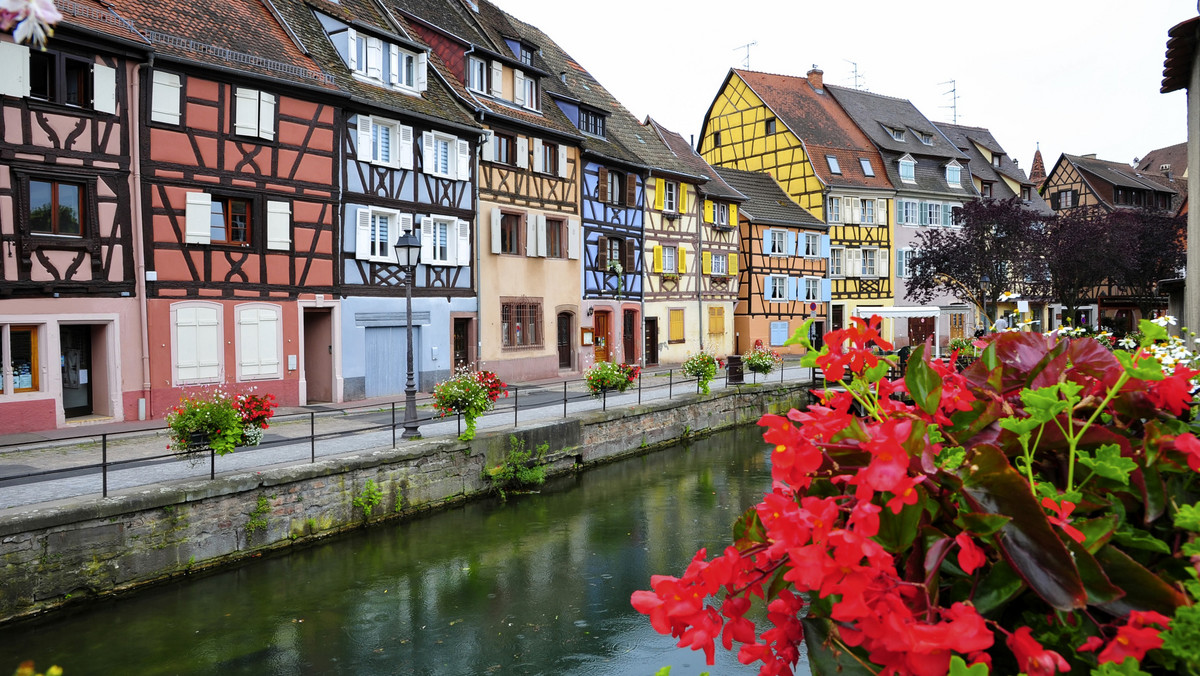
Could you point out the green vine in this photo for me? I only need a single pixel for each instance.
(258, 517)
(370, 497)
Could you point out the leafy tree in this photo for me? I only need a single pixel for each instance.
(1078, 256)
(1147, 247)
(995, 249)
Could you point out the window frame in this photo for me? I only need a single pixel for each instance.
(812, 289)
(834, 166)
(867, 169)
(778, 237)
(6, 353)
(904, 263)
(874, 258)
(896, 134)
(615, 185)
(549, 158)
(837, 261)
(506, 145)
(812, 245)
(866, 206)
(769, 126)
(773, 283)
(56, 211)
(394, 144)
(450, 224)
(719, 260)
(956, 170)
(926, 138)
(556, 229)
(477, 69)
(56, 87)
(721, 214)
(671, 197)
(512, 335)
(514, 223)
(908, 171)
(909, 212)
(226, 201)
(670, 260)
(834, 208)
(592, 122)
(383, 239)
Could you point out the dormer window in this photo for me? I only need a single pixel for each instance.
(477, 75)
(908, 169)
(897, 134)
(1164, 168)
(384, 63)
(525, 90)
(954, 175)
(592, 122)
(834, 167)
(927, 139)
(995, 160)
(527, 55)
(868, 170)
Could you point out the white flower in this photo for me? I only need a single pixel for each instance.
(1164, 320)
(1009, 295)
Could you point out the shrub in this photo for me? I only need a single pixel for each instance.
(607, 375)
(521, 468)
(469, 393)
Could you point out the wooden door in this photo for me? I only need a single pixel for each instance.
(564, 340)
(651, 341)
(600, 336)
(958, 323)
(629, 336)
(920, 329)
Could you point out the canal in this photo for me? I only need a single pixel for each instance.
(539, 585)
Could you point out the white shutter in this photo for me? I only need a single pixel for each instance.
(881, 207)
(366, 144)
(393, 64)
(881, 263)
(268, 342)
(463, 247)
(375, 58)
(531, 235)
(198, 227)
(497, 79)
(245, 120)
(104, 89)
(488, 151)
(165, 97)
(497, 219)
(14, 76)
(422, 68)
(427, 152)
(563, 169)
(573, 235)
(406, 147)
(426, 240)
(537, 155)
(266, 117)
(522, 152)
(279, 225)
(518, 87)
(541, 235)
(406, 226)
(352, 41)
(248, 342)
(853, 262)
(362, 234)
(198, 343)
(464, 160)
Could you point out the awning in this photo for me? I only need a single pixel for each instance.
(902, 312)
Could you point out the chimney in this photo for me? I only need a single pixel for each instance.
(816, 78)
(1089, 156)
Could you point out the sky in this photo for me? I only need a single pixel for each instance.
(1076, 76)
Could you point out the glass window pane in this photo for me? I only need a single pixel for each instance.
(216, 221)
(23, 348)
(69, 211)
(41, 206)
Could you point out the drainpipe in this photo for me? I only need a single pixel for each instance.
(699, 267)
(145, 408)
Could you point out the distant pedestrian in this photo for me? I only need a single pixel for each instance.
(1001, 325)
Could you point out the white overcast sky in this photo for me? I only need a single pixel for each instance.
(1078, 76)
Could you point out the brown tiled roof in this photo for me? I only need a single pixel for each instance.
(1117, 173)
(1175, 156)
(713, 185)
(966, 139)
(1181, 55)
(766, 201)
(96, 17)
(820, 122)
(1037, 170)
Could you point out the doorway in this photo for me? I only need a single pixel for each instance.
(958, 324)
(462, 341)
(564, 340)
(600, 336)
(651, 341)
(837, 318)
(76, 362)
(920, 329)
(629, 336)
(318, 355)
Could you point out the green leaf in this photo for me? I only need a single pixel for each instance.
(981, 524)
(1182, 640)
(951, 458)
(827, 655)
(1127, 668)
(1188, 517)
(1190, 548)
(749, 528)
(1046, 403)
(1109, 464)
(665, 671)
(800, 335)
(808, 360)
(1146, 368)
(923, 383)
(876, 373)
(958, 667)
(897, 531)
(1001, 585)
(1151, 332)
(1143, 589)
(991, 485)
(1134, 538)
(1098, 531)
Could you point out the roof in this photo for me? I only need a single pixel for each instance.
(95, 17)
(1117, 173)
(1037, 170)
(1181, 55)
(969, 140)
(821, 124)
(1175, 156)
(767, 203)
(714, 185)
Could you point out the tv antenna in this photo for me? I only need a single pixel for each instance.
(953, 99)
(747, 46)
(858, 77)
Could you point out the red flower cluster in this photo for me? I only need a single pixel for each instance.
(492, 383)
(851, 347)
(255, 409)
(632, 371)
(1133, 639)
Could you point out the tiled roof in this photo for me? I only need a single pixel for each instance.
(767, 203)
(966, 137)
(1117, 173)
(817, 119)
(1037, 170)
(450, 17)
(714, 185)
(1175, 155)
(91, 15)
(875, 113)
(1181, 55)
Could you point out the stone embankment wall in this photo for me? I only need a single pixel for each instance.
(54, 554)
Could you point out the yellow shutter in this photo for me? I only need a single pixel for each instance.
(683, 198)
(657, 259)
(660, 190)
(676, 327)
(682, 262)
(706, 262)
(708, 211)
(716, 320)
(733, 215)
(733, 264)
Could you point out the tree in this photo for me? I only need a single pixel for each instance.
(1148, 246)
(1078, 256)
(994, 250)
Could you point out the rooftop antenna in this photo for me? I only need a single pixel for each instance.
(953, 99)
(858, 77)
(747, 46)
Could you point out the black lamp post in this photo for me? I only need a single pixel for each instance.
(408, 253)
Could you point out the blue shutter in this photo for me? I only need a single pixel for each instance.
(900, 262)
(789, 247)
(792, 288)
(766, 243)
(922, 213)
(826, 289)
(825, 247)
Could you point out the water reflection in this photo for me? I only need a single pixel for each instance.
(538, 586)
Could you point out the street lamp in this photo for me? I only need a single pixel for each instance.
(408, 254)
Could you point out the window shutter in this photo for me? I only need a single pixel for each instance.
(522, 152)
(541, 235)
(657, 261)
(248, 341)
(366, 145)
(352, 42)
(602, 185)
(464, 160)
(825, 246)
(497, 79)
(279, 225)
(766, 241)
(104, 89)
(14, 77)
(563, 170)
(198, 218)
(393, 64)
(682, 206)
(793, 288)
(198, 353)
(630, 189)
(573, 239)
(518, 87)
(789, 244)
(165, 95)
(464, 243)
(422, 71)
(488, 151)
(881, 210)
(531, 236)
(362, 234)
(660, 187)
(681, 259)
(601, 253)
(497, 234)
(266, 116)
(826, 290)
(406, 147)
(246, 116)
(427, 161)
(427, 249)
(706, 262)
(537, 155)
(708, 213)
(630, 252)
(733, 258)
(268, 341)
(375, 58)
(881, 263)
(733, 216)
(1054, 200)
(923, 213)
(854, 262)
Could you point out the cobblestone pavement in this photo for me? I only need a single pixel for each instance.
(40, 470)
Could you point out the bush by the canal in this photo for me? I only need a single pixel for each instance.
(761, 359)
(522, 468)
(1034, 513)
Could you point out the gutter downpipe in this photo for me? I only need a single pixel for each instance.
(139, 246)
(479, 111)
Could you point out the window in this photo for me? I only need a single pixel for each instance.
(668, 260)
(675, 331)
(908, 171)
(165, 97)
(721, 213)
(1066, 199)
(229, 221)
(591, 122)
(868, 170)
(868, 211)
(23, 357)
(377, 232)
(833, 164)
(555, 228)
(995, 160)
(1026, 193)
(446, 156)
(836, 256)
(775, 288)
(716, 320)
(58, 77)
(549, 158)
(769, 126)
(615, 251)
(614, 187)
(812, 289)
(986, 190)
(717, 139)
(954, 175)
(670, 196)
(405, 75)
(521, 323)
(835, 209)
(259, 342)
(526, 55)
(504, 149)
(903, 263)
(529, 93)
(812, 245)
(868, 262)
(927, 139)
(197, 342)
(908, 213)
(776, 243)
(896, 134)
(435, 240)
(477, 72)
(933, 213)
(254, 113)
(510, 233)
(719, 263)
(387, 63)
(56, 208)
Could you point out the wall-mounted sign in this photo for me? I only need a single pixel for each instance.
(585, 336)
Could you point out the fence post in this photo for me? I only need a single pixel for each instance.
(212, 463)
(458, 417)
(312, 435)
(670, 382)
(394, 422)
(516, 404)
(104, 464)
(639, 388)
(564, 398)
(604, 399)
(782, 367)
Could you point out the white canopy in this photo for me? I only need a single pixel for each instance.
(897, 312)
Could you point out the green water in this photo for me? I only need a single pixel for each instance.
(538, 586)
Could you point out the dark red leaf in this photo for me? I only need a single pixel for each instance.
(1143, 589)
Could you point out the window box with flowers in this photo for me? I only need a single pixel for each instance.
(606, 375)
(761, 359)
(216, 420)
(703, 367)
(469, 394)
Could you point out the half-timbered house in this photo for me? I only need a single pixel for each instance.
(530, 232)
(782, 267)
(238, 201)
(68, 272)
(793, 129)
(691, 244)
(406, 162)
